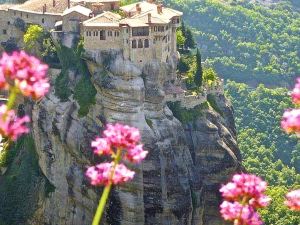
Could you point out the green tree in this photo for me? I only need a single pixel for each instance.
(198, 79)
(180, 39)
(189, 39)
(33, 39)
(183, 29)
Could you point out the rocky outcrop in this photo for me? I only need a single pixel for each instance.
(178, 182)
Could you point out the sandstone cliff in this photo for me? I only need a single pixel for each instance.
(178, 182)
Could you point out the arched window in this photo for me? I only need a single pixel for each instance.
(140, 44)
(146, 43)
(133, 43)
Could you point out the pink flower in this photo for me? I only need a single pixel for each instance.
(101, 146)
(246, 185)
(136, 154)
(102, 174)
(293, 200)
(296, 92)
(242, 214)
(122, 136)
(10, 125)
(26, 72)
(291, 121)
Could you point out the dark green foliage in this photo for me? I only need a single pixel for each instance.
(184, 115)
(198, 78)
(61, 86)
(189, 39)
(84, 93)
(18, 187)
(149, 122)
(20, 24)
(84, 90)
(246, 42)
(267, 151)
(10, 45)
(213, 103)
(183, 66)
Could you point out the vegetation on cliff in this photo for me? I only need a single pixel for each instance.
(267, 151)
(246, 42)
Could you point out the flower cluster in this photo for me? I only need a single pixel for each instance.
(291, 121)
(293, 200)
(120, 142)
(12, 126)
(243, 195)
(23, 74)
(291, 118)
(101, 174)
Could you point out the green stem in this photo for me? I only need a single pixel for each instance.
(106, 191)
(101, 206)
(12, 98)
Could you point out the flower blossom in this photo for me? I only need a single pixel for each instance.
(291, 121)
(136, 154)
(296, 92)
(246, 185)
(123, 137)
(245, 214)
(12, 126)
(293, 200)
(101, 146)
(25, 72)
(103, 174)
(242, 196)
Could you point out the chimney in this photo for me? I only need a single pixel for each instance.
(138, 8)
(151, 1)
(68, 4)
(159, 8)
(45, 8)
(149, 17)
(53, 3)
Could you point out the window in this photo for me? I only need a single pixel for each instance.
(178, 20)
(109, 33)
(43, 20)
(146, 43)
(127, 30)
(140, 44)
(102, 35)
(133, 43)
(161, 29)
(4, 32)
(21, 14)
(8, 22)
(116, 33)
(140, 31)
(27, 16)
(14, 13)
(155, 28)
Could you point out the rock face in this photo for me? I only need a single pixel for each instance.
(178, 182)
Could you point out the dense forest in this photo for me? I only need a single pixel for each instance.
(267, 150)
(249, 44)
(246, 42)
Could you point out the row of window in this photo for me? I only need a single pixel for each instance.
(27, 16)
(102, 34)
(140, 43)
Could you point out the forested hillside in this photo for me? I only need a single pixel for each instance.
(246, 42)
(266, 149)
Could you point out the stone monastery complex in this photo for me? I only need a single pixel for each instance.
(141, 31)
